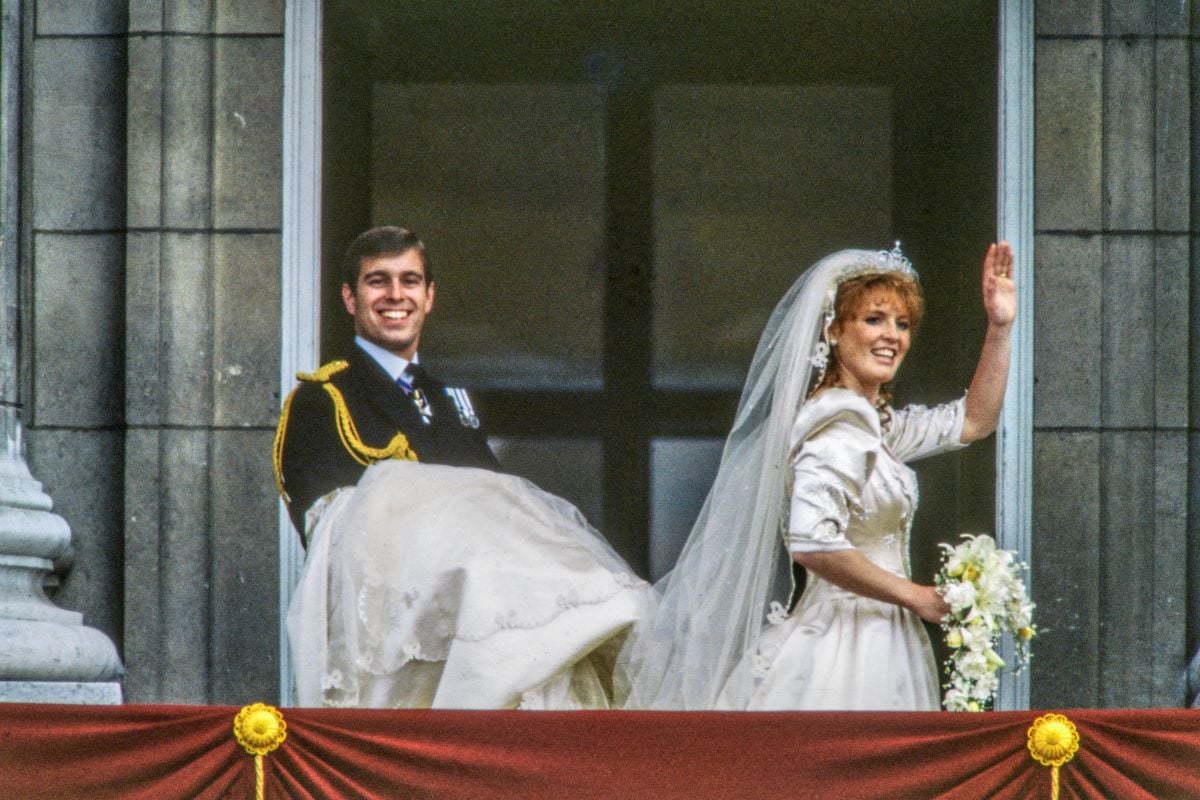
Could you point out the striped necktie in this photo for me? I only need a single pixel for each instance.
(410, 383)
(410, 379)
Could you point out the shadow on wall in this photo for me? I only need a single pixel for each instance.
(1193, 680)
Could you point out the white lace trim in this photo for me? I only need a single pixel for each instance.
(435, 644)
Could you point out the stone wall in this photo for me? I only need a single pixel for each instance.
(154, 219)
(1117, 449)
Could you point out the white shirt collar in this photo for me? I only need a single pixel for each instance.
(392, 364)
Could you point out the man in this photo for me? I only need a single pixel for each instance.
(377, 403)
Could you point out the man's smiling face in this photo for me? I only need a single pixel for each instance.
(390, 300)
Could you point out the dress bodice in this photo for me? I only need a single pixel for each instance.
(881, 532)
(850, 486)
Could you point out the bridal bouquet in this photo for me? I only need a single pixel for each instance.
(982, 585)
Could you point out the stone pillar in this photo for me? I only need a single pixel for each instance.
(1116, 227)
(46, 653)
(201, 338)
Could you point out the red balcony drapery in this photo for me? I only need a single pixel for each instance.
(144, 751)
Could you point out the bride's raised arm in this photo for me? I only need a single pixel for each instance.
(986, 394)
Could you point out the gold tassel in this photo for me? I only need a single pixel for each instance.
(359, 450)
(1052, 741)
(260, 729)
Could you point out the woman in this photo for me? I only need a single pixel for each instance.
(815, 456)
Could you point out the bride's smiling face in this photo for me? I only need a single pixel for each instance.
(872, 342)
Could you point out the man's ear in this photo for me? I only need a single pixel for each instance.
(429, 297)
(348, 298)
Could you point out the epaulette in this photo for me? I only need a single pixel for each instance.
(360, 451)
(323, 373)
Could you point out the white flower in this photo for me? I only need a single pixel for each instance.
(777, 614)
(973, 665)
(959, 596)
(982, 585)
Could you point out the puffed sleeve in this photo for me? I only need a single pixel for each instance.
(917, 431)
(835, 442)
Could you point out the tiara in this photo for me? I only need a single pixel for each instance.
(880, 261)
(873, 263)
(893, 260)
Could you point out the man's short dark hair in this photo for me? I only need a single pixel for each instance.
(388, 240)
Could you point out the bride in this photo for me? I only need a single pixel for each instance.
(814, 468)
(428, 586)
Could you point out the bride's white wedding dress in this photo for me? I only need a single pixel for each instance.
(851, 489)
(430, 586)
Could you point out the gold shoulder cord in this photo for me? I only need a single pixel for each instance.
(359, 450)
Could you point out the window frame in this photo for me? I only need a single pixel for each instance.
(301, 290)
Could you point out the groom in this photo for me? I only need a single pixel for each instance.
(376, 403)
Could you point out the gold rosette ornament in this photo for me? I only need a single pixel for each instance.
(260, 729)
(1053, 740)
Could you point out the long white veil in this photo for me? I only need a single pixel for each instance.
(734, 567)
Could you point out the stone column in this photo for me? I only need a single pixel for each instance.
(201, 338)
(47, 654)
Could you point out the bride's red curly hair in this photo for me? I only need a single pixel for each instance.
(853, 295)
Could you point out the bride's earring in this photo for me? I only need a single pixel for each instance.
(833, 342)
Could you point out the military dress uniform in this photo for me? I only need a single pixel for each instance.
(350, 414)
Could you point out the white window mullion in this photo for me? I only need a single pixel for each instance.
(1014, 438)
(300, 254)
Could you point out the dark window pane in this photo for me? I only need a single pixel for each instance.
(506, 185)
(753, 184)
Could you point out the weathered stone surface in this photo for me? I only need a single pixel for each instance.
(195, 16)
(186, 334)
(1170, 553)
(143, 321)
(187, 132)
(1127, 329)
(1193, 534)
(1172, 318)
(77, 135)
(1127, 506)
(60, 692)
(144, 149)
(1194, 364)
(238, 16)
(247, 135)
(1194, 96)
(1068, 131)
(1069, 17)
(245, 357)
(1129, 134)
(145, 15)
(168, 565)
(1067, 564)
(145, 623)
(83, 472)
(1173, 136)
(78, 361)
(58, 17)
(1067, 357)
(244, 594)
(1122, 18)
